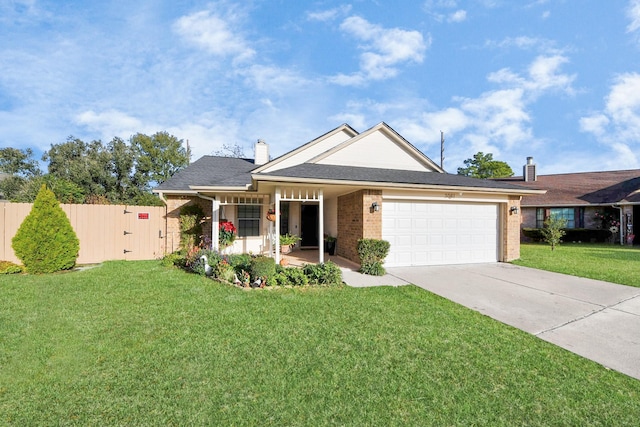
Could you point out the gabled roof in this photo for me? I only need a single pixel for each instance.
(209, 171)
(583, 189)
(334, 174)
(311, 149)
(394, 152)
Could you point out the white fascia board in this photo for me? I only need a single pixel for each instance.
(289, 180)
(208, 189)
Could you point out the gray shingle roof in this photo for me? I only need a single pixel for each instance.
(373, 175)
(211, 171)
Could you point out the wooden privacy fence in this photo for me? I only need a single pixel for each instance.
(106, 232)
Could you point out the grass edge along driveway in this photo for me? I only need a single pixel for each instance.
(607, 262)
(133, 343)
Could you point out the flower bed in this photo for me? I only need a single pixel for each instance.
(253, 271)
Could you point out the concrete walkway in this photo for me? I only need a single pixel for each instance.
(595, 319)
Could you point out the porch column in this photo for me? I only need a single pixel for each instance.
(320, 226)
(276, 234)
(215, 214)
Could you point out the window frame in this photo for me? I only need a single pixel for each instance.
(248, 217)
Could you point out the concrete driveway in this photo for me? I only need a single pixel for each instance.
(595, 319)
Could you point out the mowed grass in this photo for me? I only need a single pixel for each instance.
(133, 343)
(611, 263)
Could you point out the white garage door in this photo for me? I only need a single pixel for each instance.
(429, 233)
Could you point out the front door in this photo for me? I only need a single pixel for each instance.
(309, 226)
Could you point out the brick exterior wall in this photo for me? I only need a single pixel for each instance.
(511, 231)
(174, 204)
(356, 221)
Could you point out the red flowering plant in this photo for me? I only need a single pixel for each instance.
(226, 233)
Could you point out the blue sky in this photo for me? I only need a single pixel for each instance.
(558, 80)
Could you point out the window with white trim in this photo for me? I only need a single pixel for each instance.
(248, 220)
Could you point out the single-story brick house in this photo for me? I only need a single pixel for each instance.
(351, 185)
(587, 200)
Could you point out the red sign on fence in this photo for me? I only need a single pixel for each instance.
(143, 215)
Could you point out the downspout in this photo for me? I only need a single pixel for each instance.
(215, 243)
(620, 230)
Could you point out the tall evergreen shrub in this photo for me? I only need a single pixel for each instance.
(190, 226)
(45, 241)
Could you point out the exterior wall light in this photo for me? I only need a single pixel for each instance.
(375, 207)
(513, 210)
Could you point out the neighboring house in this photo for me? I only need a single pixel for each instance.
(351, 186)
(587, 200)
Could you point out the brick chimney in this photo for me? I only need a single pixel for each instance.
(529, 171)
(261, 153)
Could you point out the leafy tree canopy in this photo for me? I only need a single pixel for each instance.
(483, 166)
(92, 172)
(158, 157)
(18, 162)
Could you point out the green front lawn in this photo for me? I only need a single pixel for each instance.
(611, 263)
(133, 343)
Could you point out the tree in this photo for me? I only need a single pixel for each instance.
(45, 241)
(483, 166)
(231, 150)
(158, 157)
(85, 164)
(553, 230)
(20, 166)
(121, 163)
(18, 162)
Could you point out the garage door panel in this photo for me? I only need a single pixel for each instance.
(428, 233)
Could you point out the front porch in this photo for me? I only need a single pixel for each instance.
(299, 257)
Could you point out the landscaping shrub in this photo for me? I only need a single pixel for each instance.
(372, 253)
(190, 225)
(263, 267)
(295, 277)
(7, 267)
(173, 259)
(327, 273)
(224, 271)
(553, 231)
(240, 262)
(45, 241)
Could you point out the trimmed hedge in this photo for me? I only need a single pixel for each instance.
(372, 253)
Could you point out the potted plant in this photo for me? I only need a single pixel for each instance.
(226, 234)
(271, 215)
(330, 245)
(287, 241)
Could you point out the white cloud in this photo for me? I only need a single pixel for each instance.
(384, 50)
(110, 123)
(215, 33)
(330, 14)
(458, 16)
(543, 75)
(633, 13)
(618, 124)
(546, 46)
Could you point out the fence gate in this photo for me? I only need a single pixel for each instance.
(143, 233)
